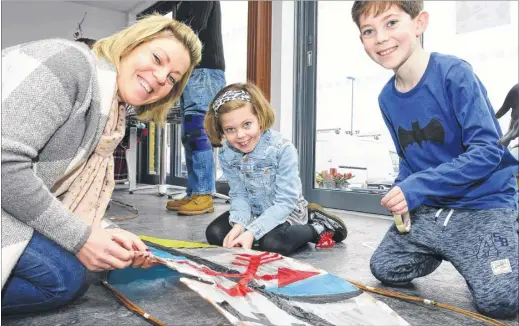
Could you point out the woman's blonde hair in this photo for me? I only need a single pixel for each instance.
(260, 107)
(114, 47)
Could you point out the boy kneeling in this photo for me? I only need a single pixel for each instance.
(454, 177)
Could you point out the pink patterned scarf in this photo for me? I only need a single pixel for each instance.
(88, 187)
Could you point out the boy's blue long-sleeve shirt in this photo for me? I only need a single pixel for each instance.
(445, 133)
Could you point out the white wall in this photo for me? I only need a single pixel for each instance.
(24, 21)
(282, 66)
(132, 15)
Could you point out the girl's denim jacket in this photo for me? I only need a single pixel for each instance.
(265, 187)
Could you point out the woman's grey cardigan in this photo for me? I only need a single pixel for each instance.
(56, 97)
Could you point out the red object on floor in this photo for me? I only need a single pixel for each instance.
(287, 276)
(325, 241)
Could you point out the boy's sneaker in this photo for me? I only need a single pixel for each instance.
(329, 227)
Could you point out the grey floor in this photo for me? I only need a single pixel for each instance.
(349, 260)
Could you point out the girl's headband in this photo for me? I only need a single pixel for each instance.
(230, 95)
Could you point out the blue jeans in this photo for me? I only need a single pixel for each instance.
(46, 277)
(199, 92)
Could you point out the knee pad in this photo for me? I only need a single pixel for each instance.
(195, 137)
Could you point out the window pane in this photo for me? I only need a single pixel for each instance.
(234, 33)
(351, 134)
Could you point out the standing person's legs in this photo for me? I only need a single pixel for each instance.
(174, 205)
(483, 246)
(46, 277)
(402, 257)
(199, 92)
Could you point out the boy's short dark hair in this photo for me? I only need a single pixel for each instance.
(412, 8)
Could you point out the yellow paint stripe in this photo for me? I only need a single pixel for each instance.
(175, 243)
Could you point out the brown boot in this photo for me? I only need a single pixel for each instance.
(173, 205)
(199, 204)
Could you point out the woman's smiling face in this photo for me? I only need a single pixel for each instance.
(148, 73)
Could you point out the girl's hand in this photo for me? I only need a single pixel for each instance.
(245, 240)
(232, 235)
(395, 201)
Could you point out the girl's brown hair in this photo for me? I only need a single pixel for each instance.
(260, 107)
(144, 30)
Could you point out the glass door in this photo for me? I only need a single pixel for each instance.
(351, 161)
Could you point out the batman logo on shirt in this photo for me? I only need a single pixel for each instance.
(432, 132)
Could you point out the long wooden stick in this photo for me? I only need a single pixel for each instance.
(397, 295)
(132, 306)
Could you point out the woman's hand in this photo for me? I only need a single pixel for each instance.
(245, 240)
(143, 260)
(101, 253)
(235, 232)
(128, 240)
(132, 242)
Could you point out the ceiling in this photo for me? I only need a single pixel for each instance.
(122, 6)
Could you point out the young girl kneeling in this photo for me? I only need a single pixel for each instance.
(267, 205)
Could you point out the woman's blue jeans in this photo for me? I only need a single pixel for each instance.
(46, 277)
(199, 92)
